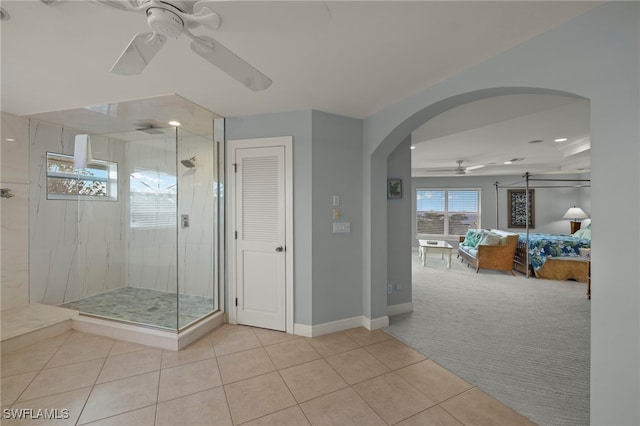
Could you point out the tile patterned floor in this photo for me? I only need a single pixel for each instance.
(145, 306)
(242, 375)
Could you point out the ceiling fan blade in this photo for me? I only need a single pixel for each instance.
(127, 5)
(265, 16)
(142, 48)
(230, 63)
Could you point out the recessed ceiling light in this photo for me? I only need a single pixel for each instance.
(560, 140)
(413, 147)
(10, 140)
(536, 141)
(174, 123)
(508, 162)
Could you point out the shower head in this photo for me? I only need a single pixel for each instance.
(190, 163)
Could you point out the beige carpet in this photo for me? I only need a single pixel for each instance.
(524, 341)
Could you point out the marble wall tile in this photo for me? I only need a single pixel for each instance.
(14, 226)
(77, 247)
(14, 163)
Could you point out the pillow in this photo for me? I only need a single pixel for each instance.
(469, 238)
(477, 236)
(584, 234)
(490, 239)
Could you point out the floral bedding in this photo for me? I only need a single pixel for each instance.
(543, 246)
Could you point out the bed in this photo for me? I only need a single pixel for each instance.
(556, 257)
(550, 256)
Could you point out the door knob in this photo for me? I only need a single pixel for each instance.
(279, 248)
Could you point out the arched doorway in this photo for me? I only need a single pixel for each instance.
(447, 329)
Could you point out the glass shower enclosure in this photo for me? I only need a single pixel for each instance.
(149, 250)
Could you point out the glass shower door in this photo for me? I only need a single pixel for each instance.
(198, 226)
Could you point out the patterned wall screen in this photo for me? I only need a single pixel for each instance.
(518, 208)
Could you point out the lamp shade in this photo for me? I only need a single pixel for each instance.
(575, 213)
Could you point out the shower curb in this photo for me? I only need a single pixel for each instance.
(168, 340)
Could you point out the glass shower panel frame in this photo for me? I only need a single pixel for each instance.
(198, 227)
(127, 250)
(153, 257)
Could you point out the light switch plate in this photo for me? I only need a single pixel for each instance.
(341, 227)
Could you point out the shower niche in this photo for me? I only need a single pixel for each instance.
(150, 253)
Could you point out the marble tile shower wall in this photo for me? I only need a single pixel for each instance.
(14, 175)
(151, 250)
(77, 248)
(154, 260)
(196, 244)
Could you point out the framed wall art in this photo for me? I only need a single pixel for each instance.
(394, 188)
(517, 210)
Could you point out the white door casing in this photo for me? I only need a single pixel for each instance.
(260, 232)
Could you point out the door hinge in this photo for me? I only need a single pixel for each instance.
(235, 167)
(236, 234)
(236, 301)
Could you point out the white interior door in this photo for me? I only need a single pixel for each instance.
(260, 235)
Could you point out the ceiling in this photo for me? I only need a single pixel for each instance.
(502, 129)
(56, 56)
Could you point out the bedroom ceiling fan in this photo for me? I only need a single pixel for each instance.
(460, 170)
(172, 18)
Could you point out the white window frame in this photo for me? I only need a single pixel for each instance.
(446, 215)
(111, 181)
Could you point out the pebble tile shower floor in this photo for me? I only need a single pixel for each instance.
(145, 306)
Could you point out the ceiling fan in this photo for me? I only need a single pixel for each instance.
(172, 18)
(458, 170)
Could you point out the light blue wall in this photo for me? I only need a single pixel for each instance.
(399, 227)
(337, 257)
(298, 125)
(596, 56)
(327, 161)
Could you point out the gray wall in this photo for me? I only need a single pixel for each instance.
(596, 56)
(298, 125)
(337, 258)
(327, 158)
(399, 227)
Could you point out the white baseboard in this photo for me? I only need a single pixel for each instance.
(303, 330)
(339, 325)
(375, 323)
(400, 308)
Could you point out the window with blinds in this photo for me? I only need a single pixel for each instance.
(97, 181)
(447, 211)
(152, 199)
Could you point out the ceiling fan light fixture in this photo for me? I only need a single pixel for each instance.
(476, 167)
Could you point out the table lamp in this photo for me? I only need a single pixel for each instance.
(575, 213)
